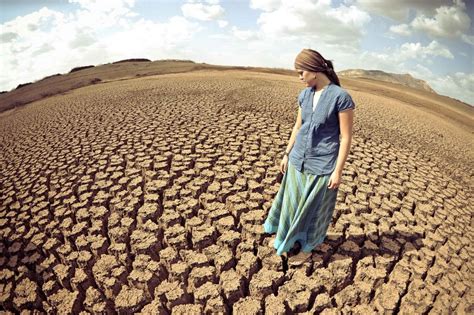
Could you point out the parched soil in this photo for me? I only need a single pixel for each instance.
(148, 195)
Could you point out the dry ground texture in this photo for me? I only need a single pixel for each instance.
(148, 195)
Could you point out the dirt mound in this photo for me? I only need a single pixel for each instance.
(148, 195)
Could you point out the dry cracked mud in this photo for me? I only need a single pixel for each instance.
(148, 196)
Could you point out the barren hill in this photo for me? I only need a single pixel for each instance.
(120, 70)
(403, 79)
(148, 194)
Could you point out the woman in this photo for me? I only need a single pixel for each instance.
(313, 160)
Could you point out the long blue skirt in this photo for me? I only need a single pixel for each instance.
(301, 211)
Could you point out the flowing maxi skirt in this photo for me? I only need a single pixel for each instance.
(301, 211)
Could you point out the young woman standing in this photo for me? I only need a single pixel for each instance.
(313, 160)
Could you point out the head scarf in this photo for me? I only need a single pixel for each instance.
(311, 60)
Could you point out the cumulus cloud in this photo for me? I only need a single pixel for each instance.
(401, 29)
(417, 50)
(341, 26)
(265, 5)
(399, 10)
(458, 85)
(158, 39)
(396, 59)
(421, 72)
(42, 20)
(244, 34)
(6, 37)
(449, 21)
(222, 23)
(43, 49)
(108, 12)
(445, 21)
(82, 38)
(29, 43)
(202, 11)
(468, 39)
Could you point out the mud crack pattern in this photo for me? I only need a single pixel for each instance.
(149, 195)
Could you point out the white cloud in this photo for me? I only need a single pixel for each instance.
(399, 10)
(24, 26)
(401, 29)
(30, 42)
(458, 85)
(83, 37)
(108, 12)
(265, 5)
(449, 21)
(421, 72)
(158, 39)
(446, 21)
(416, 51)
(468, 39)
(221, 36)
(202, 11)
(341, 26)
(243, 34)
(222, 23)
(395, 59)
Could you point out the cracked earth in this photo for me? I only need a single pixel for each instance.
(149, 195)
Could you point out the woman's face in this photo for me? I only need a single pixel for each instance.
(307, 77)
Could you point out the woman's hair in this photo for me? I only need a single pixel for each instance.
(311, 60)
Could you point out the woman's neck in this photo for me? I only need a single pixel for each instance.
(321, 82)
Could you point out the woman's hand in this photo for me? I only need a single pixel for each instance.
(284, 164)
(335, 179)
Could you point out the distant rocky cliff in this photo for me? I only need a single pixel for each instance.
(403, 79)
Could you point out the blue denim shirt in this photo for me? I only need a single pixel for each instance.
(316, 145)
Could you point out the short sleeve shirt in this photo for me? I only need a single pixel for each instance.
(317, 142)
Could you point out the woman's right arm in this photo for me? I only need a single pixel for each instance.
(296, 128)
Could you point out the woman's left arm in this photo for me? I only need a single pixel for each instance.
(346, 119)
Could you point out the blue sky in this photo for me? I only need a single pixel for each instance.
(432, 40)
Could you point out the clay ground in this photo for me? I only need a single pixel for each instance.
(146, 194)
